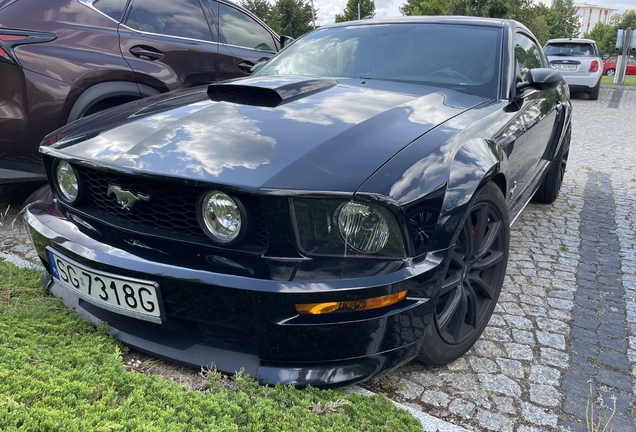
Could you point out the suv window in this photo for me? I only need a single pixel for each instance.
(183, 18)
(527, 54)
(569, 49)
(112, 8)
(241, 30)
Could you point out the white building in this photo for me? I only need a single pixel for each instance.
(590, 15)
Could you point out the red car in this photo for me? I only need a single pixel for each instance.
(61, 60)
(609, 66)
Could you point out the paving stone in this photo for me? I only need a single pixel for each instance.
(511, 368)
(614, 379)
(519, 322)
(409, 390)
(583, 334)
(494, 422)
(519, 352)
(497, 334)
(499, 384)
(544, 395)
(558, 303)
(582, 364)
(435, 398)
(485, 348)
(572, 425)
(551, 340)
(505, 404)
(497, 321)
(459, 364)
(462, 408)
(560, 315)
(614, 359)
(578, 384)
(537, 415)
(523, 337)
(482, 365)
(424, 379)
(554, 357)
(545, 375)
(553, 326)
(524, 428)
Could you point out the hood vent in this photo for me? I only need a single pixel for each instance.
(267, 93)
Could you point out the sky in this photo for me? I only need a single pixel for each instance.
(386, 8)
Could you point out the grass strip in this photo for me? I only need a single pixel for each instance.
(630, 80)
(60, 373)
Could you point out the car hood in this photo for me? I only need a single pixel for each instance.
(317, 135)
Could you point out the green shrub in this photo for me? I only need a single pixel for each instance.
(59, 373)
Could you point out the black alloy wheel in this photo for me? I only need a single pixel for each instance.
(473, 282)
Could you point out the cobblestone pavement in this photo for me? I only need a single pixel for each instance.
(565, 325)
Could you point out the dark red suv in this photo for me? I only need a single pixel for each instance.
(65, 59)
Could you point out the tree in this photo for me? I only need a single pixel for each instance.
(292, 17)
(426, 7)
(350, 13)
(260, 8)
(564, 21)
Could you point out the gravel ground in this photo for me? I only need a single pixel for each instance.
(563, 336)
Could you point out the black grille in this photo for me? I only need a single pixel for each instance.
(171, 207)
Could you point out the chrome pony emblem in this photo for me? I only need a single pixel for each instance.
(126, 199)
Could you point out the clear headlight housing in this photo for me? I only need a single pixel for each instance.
(337, 228)
(221, 217)
(66, 181)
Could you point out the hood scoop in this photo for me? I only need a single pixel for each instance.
(268, 93)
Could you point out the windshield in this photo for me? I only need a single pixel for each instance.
(570, 50)
(464, 58)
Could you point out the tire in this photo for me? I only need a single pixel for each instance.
(610, 72)
(593, 95)
(551, 185)
(473, 282)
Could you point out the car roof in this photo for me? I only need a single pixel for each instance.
(455, 19)
(571, 40)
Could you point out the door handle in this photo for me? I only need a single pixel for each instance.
(246, 66)
(146, 52)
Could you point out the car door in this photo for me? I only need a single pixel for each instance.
(631, 67)
(540, 109)
(244, 41)
(170, 44)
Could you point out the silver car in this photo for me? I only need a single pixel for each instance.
(579, 63)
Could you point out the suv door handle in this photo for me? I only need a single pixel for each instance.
(246, 66)
(146, 52)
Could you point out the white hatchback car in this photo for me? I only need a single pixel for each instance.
(579, 63)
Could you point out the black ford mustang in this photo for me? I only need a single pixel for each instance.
(345, 209)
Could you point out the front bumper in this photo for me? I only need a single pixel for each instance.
(239, 322)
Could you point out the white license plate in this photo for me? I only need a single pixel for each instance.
(566, 67)
(119, 294)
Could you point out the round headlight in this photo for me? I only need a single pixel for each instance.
(362, 227)
(221, 217)
(67, 184)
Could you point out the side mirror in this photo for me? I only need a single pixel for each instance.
(540, 79)
(286, 40)
(605, 56)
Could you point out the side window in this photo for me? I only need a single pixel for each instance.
(183, 18)
(527, 54)
(112, 8)
(241, 30)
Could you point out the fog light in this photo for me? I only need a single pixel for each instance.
(67, 183)
(221, 217)
(350, 306)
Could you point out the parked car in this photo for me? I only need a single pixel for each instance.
(609, 66)
(61, 60)
(579, 62)
(343, 210)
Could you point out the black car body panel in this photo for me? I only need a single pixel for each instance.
(420, 152)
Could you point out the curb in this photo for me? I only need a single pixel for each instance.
(429, 423)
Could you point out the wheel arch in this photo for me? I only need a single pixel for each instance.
(108, 90)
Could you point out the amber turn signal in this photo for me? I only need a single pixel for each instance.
(350, 306)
